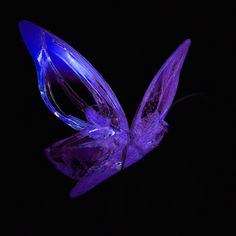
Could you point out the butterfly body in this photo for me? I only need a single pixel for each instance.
(78, 95)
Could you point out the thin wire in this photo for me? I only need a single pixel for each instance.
(187, 97)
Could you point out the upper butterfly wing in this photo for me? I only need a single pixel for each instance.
(63, 75)
(148, 126)
(77, 94)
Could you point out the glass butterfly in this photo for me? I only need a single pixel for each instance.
(104, 144)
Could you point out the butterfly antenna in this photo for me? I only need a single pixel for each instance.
(187, 97)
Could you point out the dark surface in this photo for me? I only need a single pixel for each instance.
(186, 186)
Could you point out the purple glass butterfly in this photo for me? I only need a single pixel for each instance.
(104, 144)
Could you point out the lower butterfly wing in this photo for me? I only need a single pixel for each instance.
(148, 126)
(70, 86)
(88, 160)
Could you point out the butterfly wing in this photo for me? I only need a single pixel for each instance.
(148, 126)
(63, 72)
(88, 159)
(77, 94)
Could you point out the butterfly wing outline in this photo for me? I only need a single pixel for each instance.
(95, 153)
(148, 126)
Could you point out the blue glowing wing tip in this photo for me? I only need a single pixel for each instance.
(32, 35)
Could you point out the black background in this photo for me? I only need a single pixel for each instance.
(187, 185)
